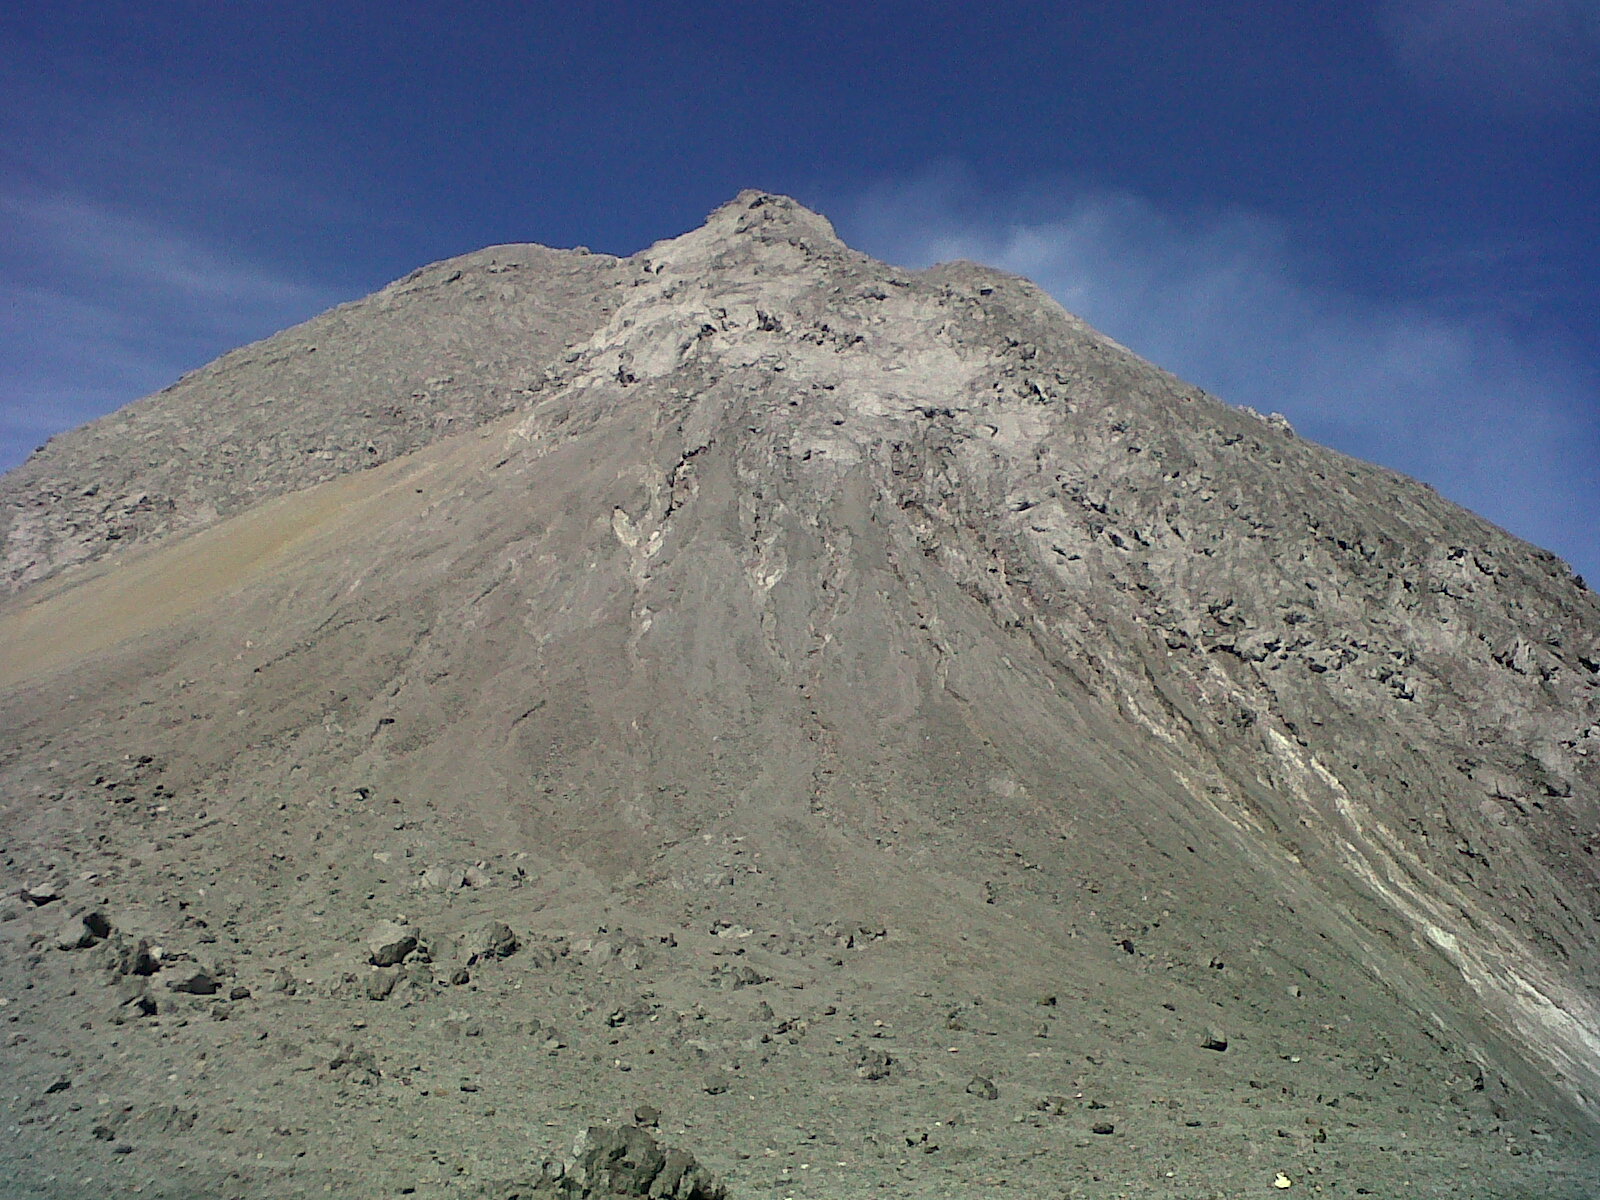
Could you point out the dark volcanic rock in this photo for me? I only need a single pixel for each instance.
(490, 941)
(83, 931)
(192, 979)
(124, 955)
(381, 983)
(608, 1164)
(389, 943)
(41, 893)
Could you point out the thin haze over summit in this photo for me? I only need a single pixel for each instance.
(1376, 218)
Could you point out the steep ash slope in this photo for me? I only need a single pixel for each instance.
(444, 349)
(907, 733)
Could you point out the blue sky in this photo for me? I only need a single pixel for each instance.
(1379, 217)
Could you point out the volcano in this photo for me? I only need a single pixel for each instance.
(861, 725)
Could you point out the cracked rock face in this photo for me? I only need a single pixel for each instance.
(820, 662)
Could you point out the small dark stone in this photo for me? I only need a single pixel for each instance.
(360, 1066)
(74, 935)
(492, 940)
(284, 981)
(874, 1064)
(1103, 1128)
(82, 931)
(730, 976)
(389, 943)
(983, 1088)
(60, 1085)
(381, 983)
(239, 993)
(196, 981)
(133, 958)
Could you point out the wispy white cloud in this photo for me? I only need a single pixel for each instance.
(119, 248)
(1516, 56)
(1499, 423)
(105, 305)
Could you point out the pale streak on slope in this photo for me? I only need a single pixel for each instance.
(1555, 1023)
(76, 617)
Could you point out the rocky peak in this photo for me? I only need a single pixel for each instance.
(767, 216)
(772, 234)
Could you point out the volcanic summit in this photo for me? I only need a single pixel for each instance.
(861, 725)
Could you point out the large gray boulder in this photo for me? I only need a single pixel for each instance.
(492, 939)
(626, 1161)
(389, 942)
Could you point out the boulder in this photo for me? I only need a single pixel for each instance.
(125, 956)
(83, 930)
(627, 1162)
(355, 1065)
(46, 891)
(193, 980)
(730, 976)
(389, 942)
(381, 983)
(283, 980)
(873, 1065)
(447, 879)
(493, 939)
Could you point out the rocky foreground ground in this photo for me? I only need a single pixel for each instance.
(806, 1063)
